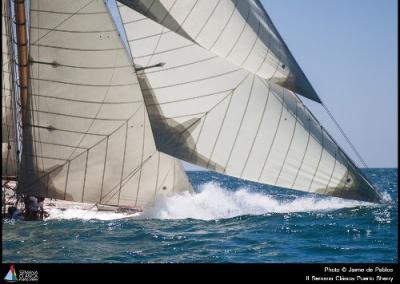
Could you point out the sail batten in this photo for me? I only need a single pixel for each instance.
(208, 110)
(86, 114)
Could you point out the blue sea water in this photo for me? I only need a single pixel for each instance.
(226, 220)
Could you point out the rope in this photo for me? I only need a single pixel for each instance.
(345, 136)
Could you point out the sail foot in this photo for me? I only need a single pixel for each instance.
(356, 188)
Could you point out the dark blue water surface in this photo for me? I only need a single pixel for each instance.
(226, 220)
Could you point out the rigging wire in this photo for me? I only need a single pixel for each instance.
(345, 136)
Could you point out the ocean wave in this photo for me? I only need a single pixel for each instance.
(215, 202)
(212, 202)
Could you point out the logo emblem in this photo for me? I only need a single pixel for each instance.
(11, 275)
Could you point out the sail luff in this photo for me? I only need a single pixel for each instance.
(204, 108)
(9, 133)
(86, 114)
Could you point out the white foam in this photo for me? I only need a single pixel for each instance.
(386, 197)
(215, 202)
(77, 213)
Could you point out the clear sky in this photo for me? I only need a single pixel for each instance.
(348, 51)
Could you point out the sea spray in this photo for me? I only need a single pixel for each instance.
(213, 201)
(269, 225)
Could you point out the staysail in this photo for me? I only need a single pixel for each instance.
(233, 118)
(87, 137)
(9, 145)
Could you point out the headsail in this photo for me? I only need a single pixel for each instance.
(87, 137)
(9, 145)
(209, 111)
(240, 31)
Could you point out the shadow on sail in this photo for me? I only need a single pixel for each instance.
(225, 99)
(86, 133)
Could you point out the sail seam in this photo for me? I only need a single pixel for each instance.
(241, 123)
(333, 170)
(66, 180)
(305, 150)
(89, 102)
(207, 20)
(142, 155)
(257, 132)
(72, 31)
(80, 117)
(197, 139)
(224, 27)
(63, 21)
(162, 182)
(232, 92)
(319, 160)
(149, 36)
(273, 138)
(104, 169)
(76, 49)
(158, 176)
(127, 178)
(184, 65)
(67, 13)
(45, 157)
(106, 138)
(290, 145)
(194, 81)
(58, 144)
(150, 6)
(253, 45)
(186, 17)
(123, 163)
(240, 34)
(220, 128)
(187, 99)
(135, 21)
(164, 51)
(84, 85)
(84, 175)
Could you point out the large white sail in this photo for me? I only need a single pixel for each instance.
(209, 111)
(238, 30)
(8, 119)
(87, 136)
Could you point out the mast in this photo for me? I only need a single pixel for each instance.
(22, 46)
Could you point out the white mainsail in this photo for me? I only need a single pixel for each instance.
(87, 137)
(8, 120)
(229, 106)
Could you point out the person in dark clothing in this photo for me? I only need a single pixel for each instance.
(32, 212)
(42, 212)
(14, 213)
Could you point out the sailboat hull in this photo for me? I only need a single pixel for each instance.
(117, 209)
